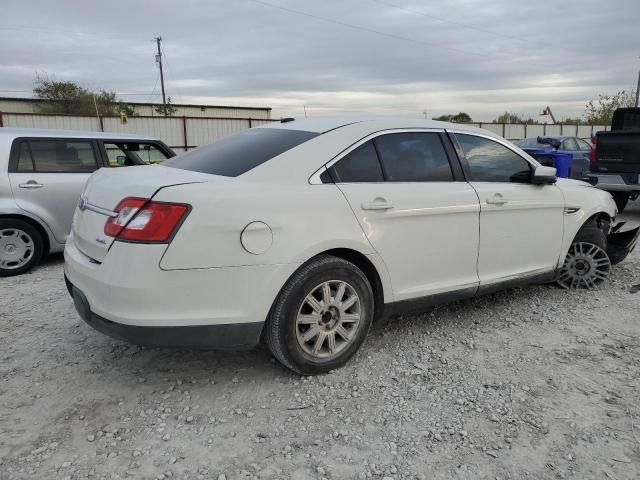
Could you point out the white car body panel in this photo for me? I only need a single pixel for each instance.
(522, 235)
(439, 220)
(439, 237)
(582, 201)
(129, 288)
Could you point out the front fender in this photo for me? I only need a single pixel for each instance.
(582, 203)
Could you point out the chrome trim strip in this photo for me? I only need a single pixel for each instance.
(314, 179)
(101, 211)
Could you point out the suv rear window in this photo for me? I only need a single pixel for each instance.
(237, 154)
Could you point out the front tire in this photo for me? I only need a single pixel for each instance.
(587, 264)
(321, 317)
(21, 247)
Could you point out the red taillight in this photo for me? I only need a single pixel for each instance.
(592, 153)
(141, 220)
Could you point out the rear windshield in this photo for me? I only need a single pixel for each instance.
(234, 155)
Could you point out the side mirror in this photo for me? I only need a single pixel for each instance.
(121, 160)
(544, 176)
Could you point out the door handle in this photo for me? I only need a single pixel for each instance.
(497, 199)
(377, 204)
(31, 184)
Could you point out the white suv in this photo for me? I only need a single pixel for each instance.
(42, 173)
(302, 232)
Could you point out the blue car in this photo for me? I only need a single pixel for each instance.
(580, 150)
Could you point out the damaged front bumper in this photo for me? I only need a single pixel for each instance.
(620, 244)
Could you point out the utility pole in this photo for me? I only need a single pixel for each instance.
(638, 88)
(159, 61)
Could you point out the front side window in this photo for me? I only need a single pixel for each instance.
(360, 165)
(490, 161)
(414, 157)
(237, 154)
(124, 154)
(56, 156)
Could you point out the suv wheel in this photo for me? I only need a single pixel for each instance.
(21, 247)
(321, 317)
(587, 264)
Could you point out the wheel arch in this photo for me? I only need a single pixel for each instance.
(601, 217)
(364, 263)
(35, 224)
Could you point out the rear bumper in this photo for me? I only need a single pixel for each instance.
(234, 335)
(612, 183)
(128, 296)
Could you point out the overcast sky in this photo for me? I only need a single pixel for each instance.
(351, 57)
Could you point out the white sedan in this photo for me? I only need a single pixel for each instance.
(301, 233)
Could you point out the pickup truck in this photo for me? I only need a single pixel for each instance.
(615, 162)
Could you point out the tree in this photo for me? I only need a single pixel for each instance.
(459, 118)
(508, 117)
(574, 121)
(69, 98)
(166, 110)
(600, 111)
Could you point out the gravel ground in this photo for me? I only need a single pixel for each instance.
(530, 383)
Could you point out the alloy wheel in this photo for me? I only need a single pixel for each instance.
(586, 266)
(328, 319)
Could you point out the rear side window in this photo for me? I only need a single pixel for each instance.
(414, 157)
(56, 156)
(359, 166)
(25, 163)
(237, 154)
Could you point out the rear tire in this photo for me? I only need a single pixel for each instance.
(621, 199)
(21, 247)
(321, 316)
(587, 264)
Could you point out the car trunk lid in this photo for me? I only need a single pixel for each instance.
(107, 187)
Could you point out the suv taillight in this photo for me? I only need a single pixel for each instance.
(144, 221)
(592, 153)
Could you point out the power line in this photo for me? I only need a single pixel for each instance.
(171, 71)
(385, 34)
(446, 20)
(153, 91)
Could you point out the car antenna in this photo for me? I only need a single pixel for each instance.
(287, 119)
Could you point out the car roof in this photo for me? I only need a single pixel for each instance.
(326, 124)
(12, 133)
(336, 136)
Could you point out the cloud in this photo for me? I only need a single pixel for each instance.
(377, 57)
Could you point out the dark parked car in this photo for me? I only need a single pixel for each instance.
(580, 149)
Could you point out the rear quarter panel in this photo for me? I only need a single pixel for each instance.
(304, 220)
